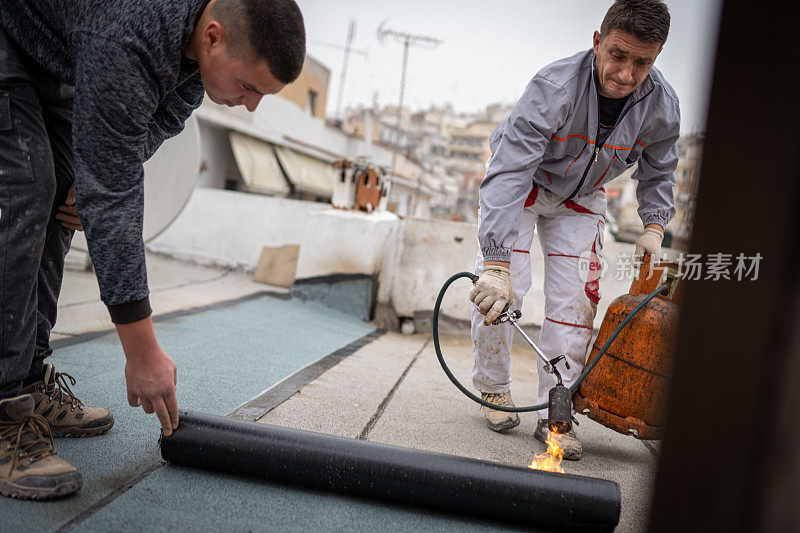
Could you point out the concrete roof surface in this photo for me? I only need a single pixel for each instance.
(240, 343)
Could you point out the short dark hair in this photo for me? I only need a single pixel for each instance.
(274, 30)
(647, 20)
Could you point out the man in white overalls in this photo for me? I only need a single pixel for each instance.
(580, 123)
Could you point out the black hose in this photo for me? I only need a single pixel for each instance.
(527, 408)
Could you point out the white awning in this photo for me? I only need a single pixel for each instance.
(257, 164)
(307, 173)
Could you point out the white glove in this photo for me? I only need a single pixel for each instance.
(492, 292)
(649, 243)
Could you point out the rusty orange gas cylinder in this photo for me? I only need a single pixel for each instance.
(627, 389)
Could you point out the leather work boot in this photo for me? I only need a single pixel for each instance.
(568, 442)
(65, 413)
(29, 466)
(499, 420)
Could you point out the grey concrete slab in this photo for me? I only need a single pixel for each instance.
(174, 286)
(429, 413)
(343, 400)
(163, 273)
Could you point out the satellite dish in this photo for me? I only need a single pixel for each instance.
(382, 30)
(169, 179)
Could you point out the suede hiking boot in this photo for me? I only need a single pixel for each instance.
(29, 466)
(66, 414)
(568, 442)
(499, 420)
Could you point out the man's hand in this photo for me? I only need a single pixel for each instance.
(650, 241)
(150, 373)
(492, 291)
(68, 213)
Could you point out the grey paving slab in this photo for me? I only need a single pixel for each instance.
(429, 413)
(343, 399)
(225, 357)
(174, 286)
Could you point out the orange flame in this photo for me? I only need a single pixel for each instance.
(551, 459)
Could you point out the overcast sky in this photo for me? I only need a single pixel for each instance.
(492, 49)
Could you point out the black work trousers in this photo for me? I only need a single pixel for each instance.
(35, 177)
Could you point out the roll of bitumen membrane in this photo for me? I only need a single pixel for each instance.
(446, 483)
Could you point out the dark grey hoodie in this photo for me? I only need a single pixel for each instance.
(134, 88)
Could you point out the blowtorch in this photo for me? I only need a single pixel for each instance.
(559, 402)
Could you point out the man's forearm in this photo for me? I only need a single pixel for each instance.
(150, 374)
(138, 338)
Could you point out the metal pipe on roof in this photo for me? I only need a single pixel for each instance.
(443, 483)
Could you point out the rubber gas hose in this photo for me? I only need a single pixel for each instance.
(527, 408)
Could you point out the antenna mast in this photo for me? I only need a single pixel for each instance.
(407, 40)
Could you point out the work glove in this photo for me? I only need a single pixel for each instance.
(649, 243)
(492, 292)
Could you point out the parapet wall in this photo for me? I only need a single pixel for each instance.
(410, 258)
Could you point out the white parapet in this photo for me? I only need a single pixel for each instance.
(229, 229)
(347, 242)
(411, 257)
(431, 251)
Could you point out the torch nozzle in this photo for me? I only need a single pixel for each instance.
(560, 409)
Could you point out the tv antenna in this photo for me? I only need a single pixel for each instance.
(348, 49)
(407, 40)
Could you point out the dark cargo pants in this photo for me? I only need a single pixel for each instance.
(35, 177)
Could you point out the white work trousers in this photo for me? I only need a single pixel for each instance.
(571, 234)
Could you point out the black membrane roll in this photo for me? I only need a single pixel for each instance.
(435, 481)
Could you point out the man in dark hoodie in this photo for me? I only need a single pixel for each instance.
(88, 92)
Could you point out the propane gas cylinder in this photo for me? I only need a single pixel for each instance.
(627, 389)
